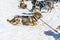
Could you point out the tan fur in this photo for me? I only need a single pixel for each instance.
(15, 21)
(58, 28)
(22, 5)
(32, 21)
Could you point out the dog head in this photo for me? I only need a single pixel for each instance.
(37, 15)
(23, 5)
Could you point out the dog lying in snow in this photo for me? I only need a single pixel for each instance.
(25, 20)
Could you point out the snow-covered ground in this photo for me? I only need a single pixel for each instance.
(9, 8)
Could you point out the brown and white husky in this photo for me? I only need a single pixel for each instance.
(25, 20)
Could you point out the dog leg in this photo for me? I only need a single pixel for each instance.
(14, 21)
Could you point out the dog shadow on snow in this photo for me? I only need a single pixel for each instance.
(51, 33)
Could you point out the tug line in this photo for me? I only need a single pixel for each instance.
(50, 26)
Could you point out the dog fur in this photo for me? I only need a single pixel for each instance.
(58, 28)
(26, 20)
(47, 4)
(22, 4)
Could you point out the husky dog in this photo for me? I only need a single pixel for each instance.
(22, 4)
(42, 4)
(49, 6)
(33, 2)
(25, 20)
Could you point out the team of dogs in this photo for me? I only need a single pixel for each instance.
(40, 4)
(30, 20)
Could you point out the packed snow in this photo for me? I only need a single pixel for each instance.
(9, 9)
